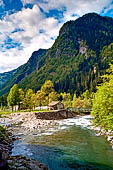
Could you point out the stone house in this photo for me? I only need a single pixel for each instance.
(56, 105)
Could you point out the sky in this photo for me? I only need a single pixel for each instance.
(28, 25)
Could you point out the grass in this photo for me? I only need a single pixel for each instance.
(42, 110)
(7, 112)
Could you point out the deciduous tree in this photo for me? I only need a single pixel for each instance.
(13, 97)
(102, 108)
(53, 96)
(28, 101)
(40, 98)
(47, 87)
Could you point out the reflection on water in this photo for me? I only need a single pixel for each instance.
(70, 148)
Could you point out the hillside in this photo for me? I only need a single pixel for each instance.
(82, 45)
(5, 76)
(24, 70)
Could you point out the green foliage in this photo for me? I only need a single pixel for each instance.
(102, 108)
(53, 96)
(47, 87)
(13, 97)
(87, 98)
(40, 98)
(5, 113)
(85, 101)
(86, 95)
(3, 100)
(29, 99)
(5, 76)
(67, 100)
(21, 95)
(107, 55)
(78, 103)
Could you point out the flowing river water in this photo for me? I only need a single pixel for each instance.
(68, 145)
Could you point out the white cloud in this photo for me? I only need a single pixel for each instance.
(31, 21)
(110, 7)
(27, 2)
(79, 7)
(1, 3)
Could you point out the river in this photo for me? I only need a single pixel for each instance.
(68, 145)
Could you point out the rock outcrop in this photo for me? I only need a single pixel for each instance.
(55, 114)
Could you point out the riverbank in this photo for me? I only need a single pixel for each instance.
(102, 132)
(67, 145)
(6, 141)
(8, 162)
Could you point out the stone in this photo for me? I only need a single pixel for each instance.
(109, 138)
(22, 168)
(3, 165)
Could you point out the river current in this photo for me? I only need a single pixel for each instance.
(68, 145)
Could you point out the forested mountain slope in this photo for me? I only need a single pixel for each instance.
(5, 76)
(83, 45)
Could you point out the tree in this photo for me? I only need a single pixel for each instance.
(87, 99)
(67, 99)
(78, 103)
(47, 87)
(40, 98)
(21, 97)
(102, 108)
(74, 99)
(53, 96)
(86, 95)
(13, 97)
(28, 101)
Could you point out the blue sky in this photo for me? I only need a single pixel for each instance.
(27, 25)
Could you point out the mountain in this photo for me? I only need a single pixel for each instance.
(83, 45)
(24, 70)
(5, 76)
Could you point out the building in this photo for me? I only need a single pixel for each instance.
(56, 105)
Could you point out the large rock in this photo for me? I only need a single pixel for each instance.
(55, 114)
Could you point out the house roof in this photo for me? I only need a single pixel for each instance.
(53, 103)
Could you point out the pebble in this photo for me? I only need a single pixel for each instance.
(15, 162)
(101, 132)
